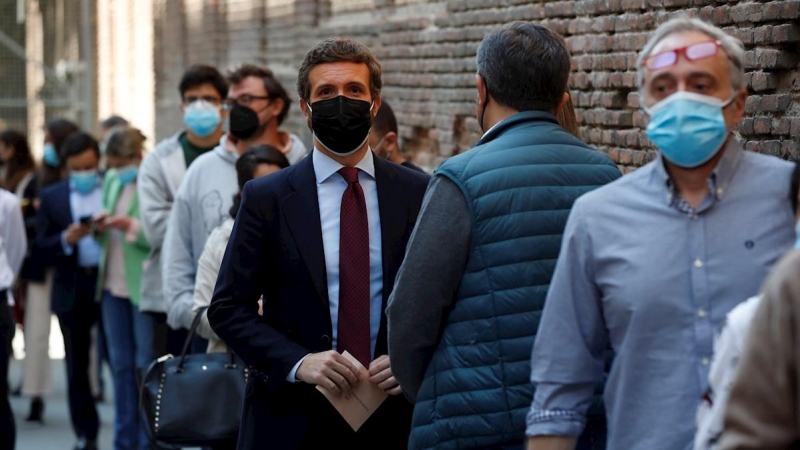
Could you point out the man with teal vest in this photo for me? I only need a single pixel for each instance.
(467, 301)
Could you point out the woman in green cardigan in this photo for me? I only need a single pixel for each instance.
(128, 331)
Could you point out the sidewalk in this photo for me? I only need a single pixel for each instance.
(56, 433)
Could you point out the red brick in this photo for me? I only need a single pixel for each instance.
(762, 125)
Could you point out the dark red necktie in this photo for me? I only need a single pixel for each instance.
(354, 273)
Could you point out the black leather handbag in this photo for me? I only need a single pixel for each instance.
(194, 400)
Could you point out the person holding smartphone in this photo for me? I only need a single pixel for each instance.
(128, 331)
(64, 238)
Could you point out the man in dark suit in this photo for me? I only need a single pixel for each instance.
(322, 242)
(63, 238)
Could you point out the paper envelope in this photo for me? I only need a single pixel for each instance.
(362, 402)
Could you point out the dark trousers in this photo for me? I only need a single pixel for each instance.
(7, 428)
(76, 326)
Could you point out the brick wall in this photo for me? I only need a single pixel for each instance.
(427, 48)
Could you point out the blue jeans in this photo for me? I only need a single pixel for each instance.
(129, 337)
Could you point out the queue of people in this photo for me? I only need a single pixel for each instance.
(524, 296)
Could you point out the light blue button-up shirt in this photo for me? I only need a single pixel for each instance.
(89, 249)
(330, 188)
(642, 271)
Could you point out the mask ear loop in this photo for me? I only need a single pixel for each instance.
(485, 105)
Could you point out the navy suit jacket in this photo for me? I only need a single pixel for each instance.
(276, 250)
(52, 219)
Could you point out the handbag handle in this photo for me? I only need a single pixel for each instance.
(190, 337)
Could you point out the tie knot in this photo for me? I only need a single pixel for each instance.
(350, 174)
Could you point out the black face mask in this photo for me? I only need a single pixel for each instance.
(341, 124)
(243, 122)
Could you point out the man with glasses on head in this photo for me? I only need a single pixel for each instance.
(257, 104)
(202, 90)
(652, 263)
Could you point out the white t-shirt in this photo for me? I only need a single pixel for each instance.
(727, 350)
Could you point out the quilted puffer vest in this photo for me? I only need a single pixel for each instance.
(520, 182)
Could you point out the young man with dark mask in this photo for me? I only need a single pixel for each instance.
(322, 242)
(257, 103)
(384, 138)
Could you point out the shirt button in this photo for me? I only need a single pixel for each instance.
(720, 191)
(701, 313)
(704, 361)
(698, 263)
(695, 217)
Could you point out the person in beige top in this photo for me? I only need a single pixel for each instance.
(764, 405)
(258, 161)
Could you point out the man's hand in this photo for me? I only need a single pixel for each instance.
(380, 373)
(99, 222)
(329, 370)
(75, 232)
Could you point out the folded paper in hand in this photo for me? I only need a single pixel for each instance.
(364, 400)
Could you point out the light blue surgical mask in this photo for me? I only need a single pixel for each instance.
(83, 181)
(202, 118)
(797, 233)
(688, 128)
(50, 156)
(127, 174)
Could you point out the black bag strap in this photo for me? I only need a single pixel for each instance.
(192, 331)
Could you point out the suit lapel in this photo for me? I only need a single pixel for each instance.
(394, 217)
(65, 212)
(301, 209)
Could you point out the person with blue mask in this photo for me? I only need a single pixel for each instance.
(128, 331)
(202, 91)
(764, 403)
(652, 263)
(64, 238)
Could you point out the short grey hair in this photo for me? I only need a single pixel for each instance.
(732, 46)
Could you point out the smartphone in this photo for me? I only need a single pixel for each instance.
(85, 220)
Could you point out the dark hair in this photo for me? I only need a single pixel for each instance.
(77, 144)
(525, 66)
(384, 120)
(567, 120)
(201, 74)
(336, 50)
(113, 121)
(247, 164)
(274, 88)
(21, 161)
(59, 130)
(794, 190)
(125, 142)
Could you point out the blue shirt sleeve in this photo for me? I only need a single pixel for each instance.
(568, 356)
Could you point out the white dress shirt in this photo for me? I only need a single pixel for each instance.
(13, 240)
(330, 188)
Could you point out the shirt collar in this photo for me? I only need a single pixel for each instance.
(325, 166)
(719, 179)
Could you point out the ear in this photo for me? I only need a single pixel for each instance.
(391, 138)
(376, 105)
(739, 100)
(276, 106)
(480, 85)
(564, 100)
(304, 108)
